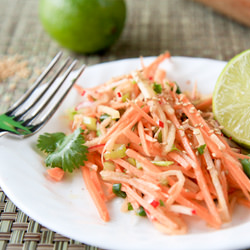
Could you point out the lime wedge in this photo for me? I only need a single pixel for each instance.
(231, 99)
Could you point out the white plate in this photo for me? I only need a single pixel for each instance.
(67, 208)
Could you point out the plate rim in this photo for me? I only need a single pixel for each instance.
(26, 210)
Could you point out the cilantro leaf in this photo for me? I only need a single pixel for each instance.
(157, 88)
(201, 149)
(246, 166)
(66, 152)
(48, 142)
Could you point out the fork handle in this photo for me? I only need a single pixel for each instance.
(2, 133)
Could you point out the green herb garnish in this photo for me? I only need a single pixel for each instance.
(178, 90)
(246, 166)
(64, 151)
(201, 149)
(141, 211)
(130, 207)
(162, 203)
(116, 188)
(157, 88)
(103, 117)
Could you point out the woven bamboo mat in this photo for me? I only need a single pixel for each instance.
(183, 27)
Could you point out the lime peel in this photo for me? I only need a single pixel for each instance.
(231, 99)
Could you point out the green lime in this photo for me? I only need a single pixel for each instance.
(231, 99)
(85, 26)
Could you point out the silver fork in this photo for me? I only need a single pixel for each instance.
(23, 118)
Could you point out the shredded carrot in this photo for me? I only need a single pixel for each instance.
(168, 157)
(204, 104)
(56, 173)
(95, 194)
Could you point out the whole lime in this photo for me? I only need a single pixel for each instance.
(85, 26)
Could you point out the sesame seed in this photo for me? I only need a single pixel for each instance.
(196, 132)
(213, 154)
(182, 133)
(209, 167)
(181, 128)
(185, 122)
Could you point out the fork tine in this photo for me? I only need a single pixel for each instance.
(35, 85)
(39, 97)
(43, 106)
(48, 116)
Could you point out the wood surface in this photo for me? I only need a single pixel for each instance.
(238, 10)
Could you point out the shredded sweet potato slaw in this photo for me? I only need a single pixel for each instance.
(162, 147)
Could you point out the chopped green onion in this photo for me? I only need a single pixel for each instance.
(103, 117)
(157, 88)
(162, 203)
(130, 207)
(108, 165)
(201, 149)
(98, 132)
(119, 151)
(141, 211)
(162, 163)
(159, 137)
(132, 161)
(89, 122)
(178, 90)
(116, 188)
(246, 166)
(174, 148)
(125, 97)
